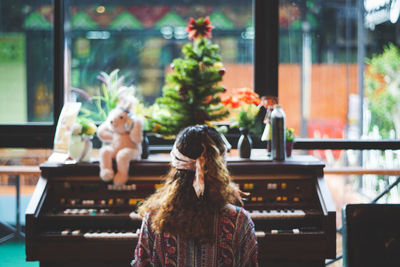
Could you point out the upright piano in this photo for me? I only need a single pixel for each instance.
(76, 219)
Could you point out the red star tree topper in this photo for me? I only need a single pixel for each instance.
(200, 28)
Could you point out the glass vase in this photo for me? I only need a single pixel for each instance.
(245, 144)
(80, 147)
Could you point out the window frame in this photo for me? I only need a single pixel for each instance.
(266, 61)
(41, 135)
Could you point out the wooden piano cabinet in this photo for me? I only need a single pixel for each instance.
(75, 219)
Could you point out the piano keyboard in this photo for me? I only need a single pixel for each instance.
(261, 234)
(113, 235)
(276, 214)
(86, 211)
(94, 235)
(256, 214)
(133, 235)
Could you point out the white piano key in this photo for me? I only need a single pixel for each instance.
(134, 216)
(67, 211)
(65, 232)
(75, 211)
(76, 232)
(260, 234)
(89, 235)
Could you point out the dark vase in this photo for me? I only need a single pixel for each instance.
(145, 146)
(245, 144)
(289, 148)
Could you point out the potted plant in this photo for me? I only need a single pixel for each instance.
(244, 106)
(289, 141)
(191, 94)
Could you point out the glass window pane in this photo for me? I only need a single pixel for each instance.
(26, 61)
(342, 57)
(15, 157)
(141, 40)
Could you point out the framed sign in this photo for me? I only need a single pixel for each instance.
(63, 134)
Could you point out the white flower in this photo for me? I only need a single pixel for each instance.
(76, 129)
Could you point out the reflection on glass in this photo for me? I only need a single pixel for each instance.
(325, 46)
(26, 62)
(141, 40)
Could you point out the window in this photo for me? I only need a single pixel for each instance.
(341, 56)
(27, 95)
(142, 39)
(325, 47)
(26, 39)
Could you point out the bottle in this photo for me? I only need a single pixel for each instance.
(266, 136)
(278, 137)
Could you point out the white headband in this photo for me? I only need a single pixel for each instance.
(182, 162)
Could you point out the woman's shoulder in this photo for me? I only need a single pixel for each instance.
(236, 211)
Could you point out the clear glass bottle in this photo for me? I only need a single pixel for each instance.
(278, 137)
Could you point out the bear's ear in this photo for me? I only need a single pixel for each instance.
(121, 103)
(126, 102)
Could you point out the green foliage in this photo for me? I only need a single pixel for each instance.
(381, 106)
(108, 93)
(86, 126)
(190, 93)
(382, 83)
(386, 63)
(244, 120)
(290, 134)
(245, 116)
(111, 90)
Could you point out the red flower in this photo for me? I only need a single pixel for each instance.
(200, 28)
(243, 96)
(232, 101)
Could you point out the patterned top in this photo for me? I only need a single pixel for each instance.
(235, 244)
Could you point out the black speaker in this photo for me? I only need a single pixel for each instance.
(371, 235)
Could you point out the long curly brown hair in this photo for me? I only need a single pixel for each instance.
(174, 207)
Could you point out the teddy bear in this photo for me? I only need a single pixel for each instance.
(122, 138)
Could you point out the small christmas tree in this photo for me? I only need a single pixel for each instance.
(190, 95)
